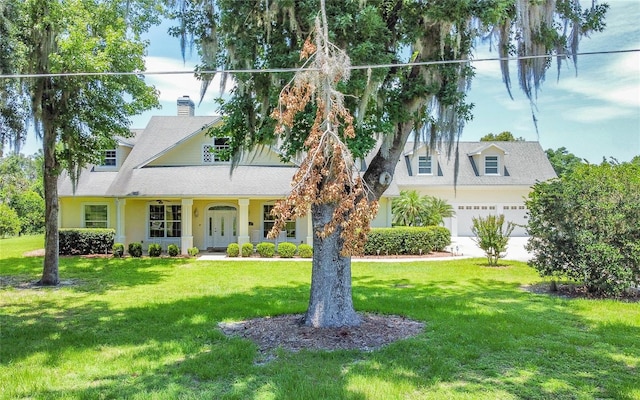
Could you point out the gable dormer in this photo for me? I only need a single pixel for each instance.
(488, 160)
(113, 158)
(422, 162)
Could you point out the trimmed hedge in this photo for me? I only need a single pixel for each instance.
(246, 249)
(118, 250)
(305, 250)
(266, 249)
(135, 249)
(173, 250)
(287, 250)
(407, 240)
(154, 250)
(82, 241)
(193, 251)
(233, 250)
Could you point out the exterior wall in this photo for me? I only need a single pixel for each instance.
(190, 153)
(70, 214)
(383, 219)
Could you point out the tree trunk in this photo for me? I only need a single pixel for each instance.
(330, 303)
(50, 271)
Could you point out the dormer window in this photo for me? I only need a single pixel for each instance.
(110, 159)
(425, 165)
(491, 165)
(216, 152)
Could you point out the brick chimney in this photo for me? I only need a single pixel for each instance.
(186, 107)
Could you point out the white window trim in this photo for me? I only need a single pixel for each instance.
(104, 167)
(430, 162)
(214, 147)
(82, 210)
(148, 222)
(262, 221)
(497, 173)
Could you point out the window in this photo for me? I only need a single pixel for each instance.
(424, 165)
(109, 158)
(216, 152)
(269, 221)
(491, 165)
(165, 221)
(96, 215)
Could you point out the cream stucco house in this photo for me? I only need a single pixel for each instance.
(166, 185)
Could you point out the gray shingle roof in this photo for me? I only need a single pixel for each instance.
(525, 162)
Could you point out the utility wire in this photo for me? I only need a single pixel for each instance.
(286, 70)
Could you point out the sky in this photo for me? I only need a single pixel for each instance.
(593, 114)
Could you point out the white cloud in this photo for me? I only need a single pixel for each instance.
(172, 86)
(597, 114)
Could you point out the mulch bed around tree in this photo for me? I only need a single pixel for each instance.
(289, 333)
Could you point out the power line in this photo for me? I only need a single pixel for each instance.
(287, 70)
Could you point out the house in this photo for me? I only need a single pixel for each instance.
(167, 184)
(491, 178)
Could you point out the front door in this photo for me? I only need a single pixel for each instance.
(221, 227)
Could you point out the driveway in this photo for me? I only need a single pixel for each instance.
(515, 250)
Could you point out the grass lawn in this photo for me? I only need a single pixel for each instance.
(147, 329)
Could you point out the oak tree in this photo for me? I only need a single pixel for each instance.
(77, 116)
(399, 86)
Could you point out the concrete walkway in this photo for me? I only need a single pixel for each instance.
(461, 247)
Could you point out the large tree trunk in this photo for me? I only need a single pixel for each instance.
(50, 271)
(330, 303)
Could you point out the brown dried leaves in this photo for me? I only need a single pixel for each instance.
(327, 174)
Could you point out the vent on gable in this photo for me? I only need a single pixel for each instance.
(186, 107)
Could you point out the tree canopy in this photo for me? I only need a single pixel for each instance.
(399, 87)
(505, 136)
(562, 160)
(77, 116)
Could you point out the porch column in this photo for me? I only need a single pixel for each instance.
(187, 226)
(309, 239)
(243, 222)
(120, 222)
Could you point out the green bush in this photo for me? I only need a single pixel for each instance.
(193, 251)
(266, 249)
(135, 249)
(9, 221)
(585, 227)
(81, 241)
(118, 250)
(154, 250)
(305, 250)
(492, 236)
(233, 250)
(406, 240)
(247, 250)
(286, 249)
(173, 250)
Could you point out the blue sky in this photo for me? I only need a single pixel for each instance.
(595, 114)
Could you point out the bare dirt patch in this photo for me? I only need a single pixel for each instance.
(34, 253)
(289, 333)
(22, 282)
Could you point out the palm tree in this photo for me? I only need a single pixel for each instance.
(439, 209)
(410, 208)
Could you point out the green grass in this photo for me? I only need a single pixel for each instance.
(147, 329)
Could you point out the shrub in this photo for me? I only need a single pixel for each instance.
(193, 251)
(247, 250)
(118, 250)
(135, 249)
(491, 236)
(80, 241)
(406, 240)
(305, 250)
(9, 221)
(266, 249)
(173, 250)
(585, 227)
(154, 250)
(287, 250)
(233, 250)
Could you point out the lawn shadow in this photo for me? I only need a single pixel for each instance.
(84, 274)
(483, 338)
